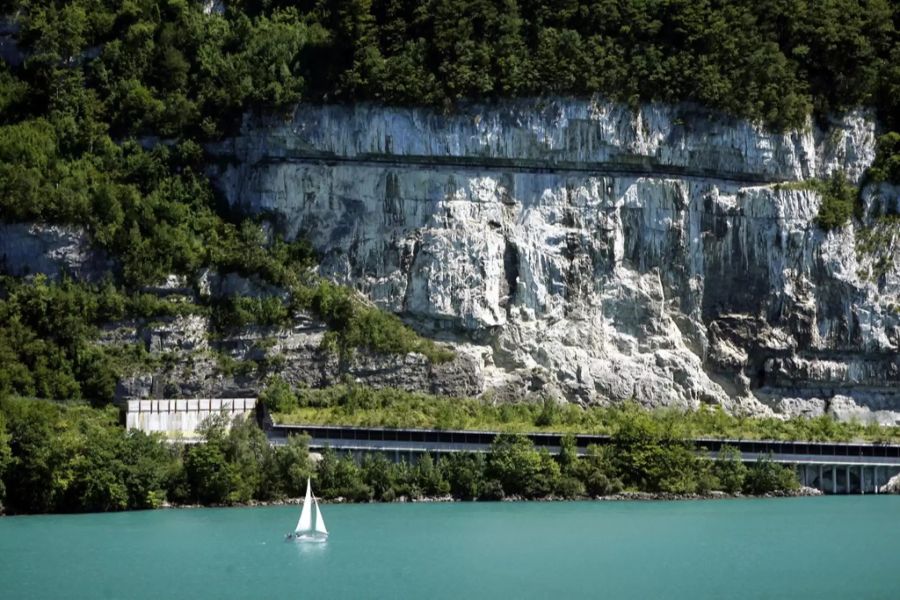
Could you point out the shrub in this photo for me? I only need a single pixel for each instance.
(465, 474)
(838, 202)
(549, 413)
(277, 396)
(515, 463)
(492, 490)
(729, 469)
(356, 325)
(886, 166)
(598, 483)
(570, 487)
(767, 476)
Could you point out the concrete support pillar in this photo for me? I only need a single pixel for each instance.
(821, 478)
(847, 479)
(875, 478)
(833, 479)
(862, 479)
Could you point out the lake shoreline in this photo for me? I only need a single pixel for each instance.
(803, 492)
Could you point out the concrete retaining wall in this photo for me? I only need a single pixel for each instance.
(182, 417)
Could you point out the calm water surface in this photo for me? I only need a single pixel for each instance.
(839, 547)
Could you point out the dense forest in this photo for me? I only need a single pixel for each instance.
(105, 107)
(55, 458)
(167, 67)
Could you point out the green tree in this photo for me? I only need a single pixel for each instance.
(147, 461)
(838, 201)
(12, 92)
(378, 473)
(886, 166)
(96, 374)
(465, 474)
(277, 396)
(652, 454)
(32, 481)
(766, 476)
(548, 476)
(251, 462)
(75, 458)
(515, 463)
(730, 470)
(568, 454)
(294, 465)
(429, 477)
(94, 469)
(208, 474)
(597, 471)
(5, 456)
(340, 477)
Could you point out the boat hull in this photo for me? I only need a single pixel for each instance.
(307, 538)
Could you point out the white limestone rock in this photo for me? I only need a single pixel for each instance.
(508, 228)
(53, 250)
(892, 486)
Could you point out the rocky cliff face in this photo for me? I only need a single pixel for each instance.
(186, 360)
(237, 364)
(595, 253)
(28, 248)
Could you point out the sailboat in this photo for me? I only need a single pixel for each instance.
(306, 531)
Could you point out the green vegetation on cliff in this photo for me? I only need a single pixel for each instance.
(167, 68)
(101, 126)
(364, 406)
(48, 331)
(838, 201)
(886, 166)
(46, 335)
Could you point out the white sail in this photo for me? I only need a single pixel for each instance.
(305, 522)
(320, 520)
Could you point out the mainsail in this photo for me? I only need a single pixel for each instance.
(320, 520)
(305, 522)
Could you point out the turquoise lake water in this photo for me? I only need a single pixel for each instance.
(836, 547)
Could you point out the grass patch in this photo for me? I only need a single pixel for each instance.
(354, 324)
(839, 198)
(356, 405)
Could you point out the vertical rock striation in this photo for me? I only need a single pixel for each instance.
(597, 253)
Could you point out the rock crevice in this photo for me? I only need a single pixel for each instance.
(517, 227)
